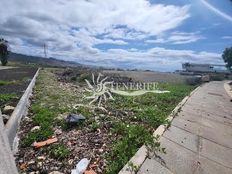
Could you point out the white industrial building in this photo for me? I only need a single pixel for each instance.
(204, 68)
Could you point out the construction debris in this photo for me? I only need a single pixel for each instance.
(90, 172)
(44, 143)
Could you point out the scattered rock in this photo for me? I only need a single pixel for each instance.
(8, 109)
(70, 161)
(31, 162)
(74, 118)
(36, 172)
(39, 164)
(27, 119)
(56, 172)
(61, 116)
(101, 150)
(41, 158)
(58, 131)
(35, 128)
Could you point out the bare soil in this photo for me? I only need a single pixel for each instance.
(20, 77)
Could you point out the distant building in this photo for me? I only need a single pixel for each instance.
(204, 68)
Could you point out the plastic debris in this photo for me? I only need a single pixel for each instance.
(74, 118)
(44, 143)
(81, 166)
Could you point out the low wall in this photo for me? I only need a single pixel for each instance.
(20, 110)
(7, 162)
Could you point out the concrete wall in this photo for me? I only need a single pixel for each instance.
(21, 110)
(7, 162)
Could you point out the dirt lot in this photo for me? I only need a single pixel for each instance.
(13, 82)
(144, 76)
(108, 138)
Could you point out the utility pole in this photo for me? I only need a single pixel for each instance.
(45, 50)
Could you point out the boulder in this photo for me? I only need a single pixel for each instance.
(8, 109)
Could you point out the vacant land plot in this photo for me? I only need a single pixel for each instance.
(147, 76)
(13, 82)
(109, 138)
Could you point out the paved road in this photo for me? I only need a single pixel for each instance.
(199, 140)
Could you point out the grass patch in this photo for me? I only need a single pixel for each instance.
(50, 101)
(147, 113)
(6, 82)
(58, 151)
(37, 135)
(132, 138)
(7, 97)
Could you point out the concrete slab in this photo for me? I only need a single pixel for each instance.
(216, 153)
(177, 159)
(152, 165)
(186, 112)
(182, 137)
(199, 140)
(219, 135)
(210, 167)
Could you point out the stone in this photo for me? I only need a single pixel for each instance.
(56, 172)
(74, 118)
(42, 158)
(35, 128)
(8, 109)
(101, 150)
(39, 164)
(58, 131)
(31, 162)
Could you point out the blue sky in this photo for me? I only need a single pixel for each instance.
(156, 34)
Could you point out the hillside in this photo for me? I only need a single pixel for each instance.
(25, 59)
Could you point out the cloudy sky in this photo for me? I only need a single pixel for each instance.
(155, 34)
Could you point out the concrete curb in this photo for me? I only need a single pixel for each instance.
(7, 164)
(21, 109)
(141, 155)
(228, 88)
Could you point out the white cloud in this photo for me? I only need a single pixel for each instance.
(72, 29)
(52, 20)
(177, 38)
(227, 37)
